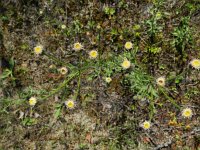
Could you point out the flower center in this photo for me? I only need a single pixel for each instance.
(126, 63)
(146, 125)
(196, 63)
(187, 113)
(63, 70)
(77, 46)
(93, 53)
(70, 104)
(37, 49)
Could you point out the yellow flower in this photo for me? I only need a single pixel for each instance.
(77, 46)
(63, 26)
(63, 70)
(93, 54)
(70, 104)
(195, 63)
(146, 125)
(38, 49)
(126, 64)
(160, 81)
(128, 45)
(32, 101)
(187, 113)
(158, 15)
(108, 79)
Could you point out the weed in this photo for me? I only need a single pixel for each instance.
(182, 39)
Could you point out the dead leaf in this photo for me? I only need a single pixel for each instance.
(21, 114)
(146, 140)
(88, 137)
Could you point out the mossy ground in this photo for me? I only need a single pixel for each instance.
(106, 116)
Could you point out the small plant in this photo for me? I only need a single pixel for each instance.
(8, 72)
(182, 39)
(153, 25)
(109, 10)
(142, 85)
(29, 121)
(154, 28)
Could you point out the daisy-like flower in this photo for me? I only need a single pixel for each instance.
(70, 104)
(146, 125)
(93, 54)
(195, 63)
(187, 113)
(128, 45)
(63, 26)
(77, 46)
(108, 79)
(38, 49)
(63, 70)
(126, 64)
(32, 101)
(160, 81)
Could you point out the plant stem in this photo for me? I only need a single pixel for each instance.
(57, 60)
(62, 85)
(99, 56)
(170, 99)
(79, 78)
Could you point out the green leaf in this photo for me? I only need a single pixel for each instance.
(12, 63)
(6, 74)
(58, 111)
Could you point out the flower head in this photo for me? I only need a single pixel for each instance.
(77, 46)
(93, 54)
(70, 104)
(63, 70)
(32, 101)
(128, 45)
(63, 26)
(38, 49)
(108, 79)
(146, 125)
(160, 81)
(126, 64)
(187, 113)
(195, 63)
